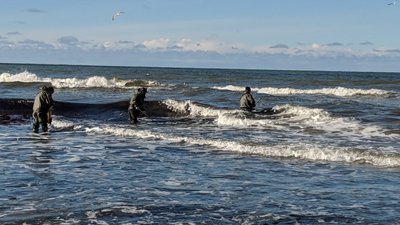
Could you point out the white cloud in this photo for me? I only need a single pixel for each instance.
(108, 45)
(4, 44)
(185, 44)
(206, 46)
(316, 46)
(333, 50)
(188, 52)
(161, 43)
(212, 46)
(33, 44)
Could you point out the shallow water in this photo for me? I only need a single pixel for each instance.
(330, 154)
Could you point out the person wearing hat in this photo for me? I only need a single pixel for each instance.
(247, 101)
(136, 105)
(42, 108)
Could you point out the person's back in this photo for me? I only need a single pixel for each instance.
(247, 101)
(42, 105)
(43, 101)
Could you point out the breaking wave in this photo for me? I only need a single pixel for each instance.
(283, 117)
(303, 151)
(337, 91)
(286, 117)
(90, 82)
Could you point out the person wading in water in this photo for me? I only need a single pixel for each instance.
(42, 108)
(136, 105)
(247, 101)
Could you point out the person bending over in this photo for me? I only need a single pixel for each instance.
(42, 108)
(136, 105)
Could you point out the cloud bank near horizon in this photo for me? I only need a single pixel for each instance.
(200, 53)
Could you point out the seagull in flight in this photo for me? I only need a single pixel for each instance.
(393, 3)
(116, 14)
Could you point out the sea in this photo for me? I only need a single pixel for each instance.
(321, 147)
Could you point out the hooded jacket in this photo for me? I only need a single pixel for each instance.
(43, 101)
(247, 101)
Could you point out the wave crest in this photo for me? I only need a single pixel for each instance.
(290, 150)
(337, 91)
(90, 82)
(25, 77)
(286, 118)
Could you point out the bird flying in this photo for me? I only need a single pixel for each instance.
(116, 14)
(393, 3)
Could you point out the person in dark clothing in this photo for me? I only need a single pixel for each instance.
(247, 101)
(42, 108)
(136, 104)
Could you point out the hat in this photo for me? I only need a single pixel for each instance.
(50, 89)
(247, 89)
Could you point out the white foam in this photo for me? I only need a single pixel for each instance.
(22, 77)
(74, 159)
(123, 132)
(91, 215)
(90, 82)
(99, 222)
(69, 221)
(61, 124)
(319, 119)
(196, 109)
(177, 106)
(336, 91)
(289, 115)
(132, 210)
(287, 150)
(100, 82)
(223, 117)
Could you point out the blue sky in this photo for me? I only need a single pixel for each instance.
(348, 35)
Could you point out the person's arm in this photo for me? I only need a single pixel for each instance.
(141, 103)
(48, 100)
(132, 102)
(49, 116)
(253, 103)
(50, 103)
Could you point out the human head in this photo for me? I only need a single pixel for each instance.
(144, 90)
(50, 90)
(247, 89)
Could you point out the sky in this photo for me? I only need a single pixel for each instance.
(333, 35)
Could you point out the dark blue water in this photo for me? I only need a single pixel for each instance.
(330, 155)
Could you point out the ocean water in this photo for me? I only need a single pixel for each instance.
(330, 153)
